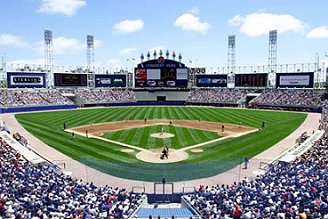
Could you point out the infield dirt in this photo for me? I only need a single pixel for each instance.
(100, 128)
(153, 156)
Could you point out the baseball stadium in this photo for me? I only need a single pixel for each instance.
(164, 138)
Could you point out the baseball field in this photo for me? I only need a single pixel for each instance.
(127, 141)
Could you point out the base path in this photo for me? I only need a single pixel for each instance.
(89, 174)
(154, 156)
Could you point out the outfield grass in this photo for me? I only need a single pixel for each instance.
(140, 137)
(107, 157)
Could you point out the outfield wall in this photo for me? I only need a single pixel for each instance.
(314, 109)
(36, 108)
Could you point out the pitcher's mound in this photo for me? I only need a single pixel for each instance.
(162, 135)
(154, 156)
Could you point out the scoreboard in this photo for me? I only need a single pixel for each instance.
(26, 80)
(295, 80)
(211, 80)
(161, 72)
(161, 77)
(69, 79)
(251, 80)
(116, 80)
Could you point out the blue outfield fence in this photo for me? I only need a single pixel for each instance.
(37, 108)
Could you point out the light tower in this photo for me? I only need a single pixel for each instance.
(272, 61)
(90, 60)
(48, 56)
(90, 53)
(231, 58)
(3, 69)
(3, 82)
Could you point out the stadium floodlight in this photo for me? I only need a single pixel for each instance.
(231, 59)
(90, 60)
(48, 36)
(272, 60)
(48, 56)
(232, 40)
(90, 52)
(90, 40)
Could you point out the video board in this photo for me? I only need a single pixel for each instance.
(251, 80)
(297, 80)
(161, 77)
(116, 80)
(211, 80)
(69, 79)
(26, 80)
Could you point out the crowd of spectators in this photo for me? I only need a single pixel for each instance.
(287, 190)
(289, 98)
(106, 96)
(32, 98)
(55, 97)
(216, 95)
(28, 191)
(296, 98)
(14, 98)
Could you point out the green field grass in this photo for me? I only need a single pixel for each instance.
(107, 157)
(140, 137)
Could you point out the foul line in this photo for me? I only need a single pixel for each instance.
(182, 149)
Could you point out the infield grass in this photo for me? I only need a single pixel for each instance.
(141, 137)
(107, 157)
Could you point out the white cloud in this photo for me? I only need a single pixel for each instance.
(319, 32)
(257, 24)
(11, 40)
(128, 26)
(190, 22)
(127, 51)
(66, 7)
(62, 45)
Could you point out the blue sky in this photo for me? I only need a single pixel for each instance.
(198, 29)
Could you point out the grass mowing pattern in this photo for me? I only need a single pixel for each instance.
(106, 157)
(140, 137)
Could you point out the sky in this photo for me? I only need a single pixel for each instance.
(198, 29)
